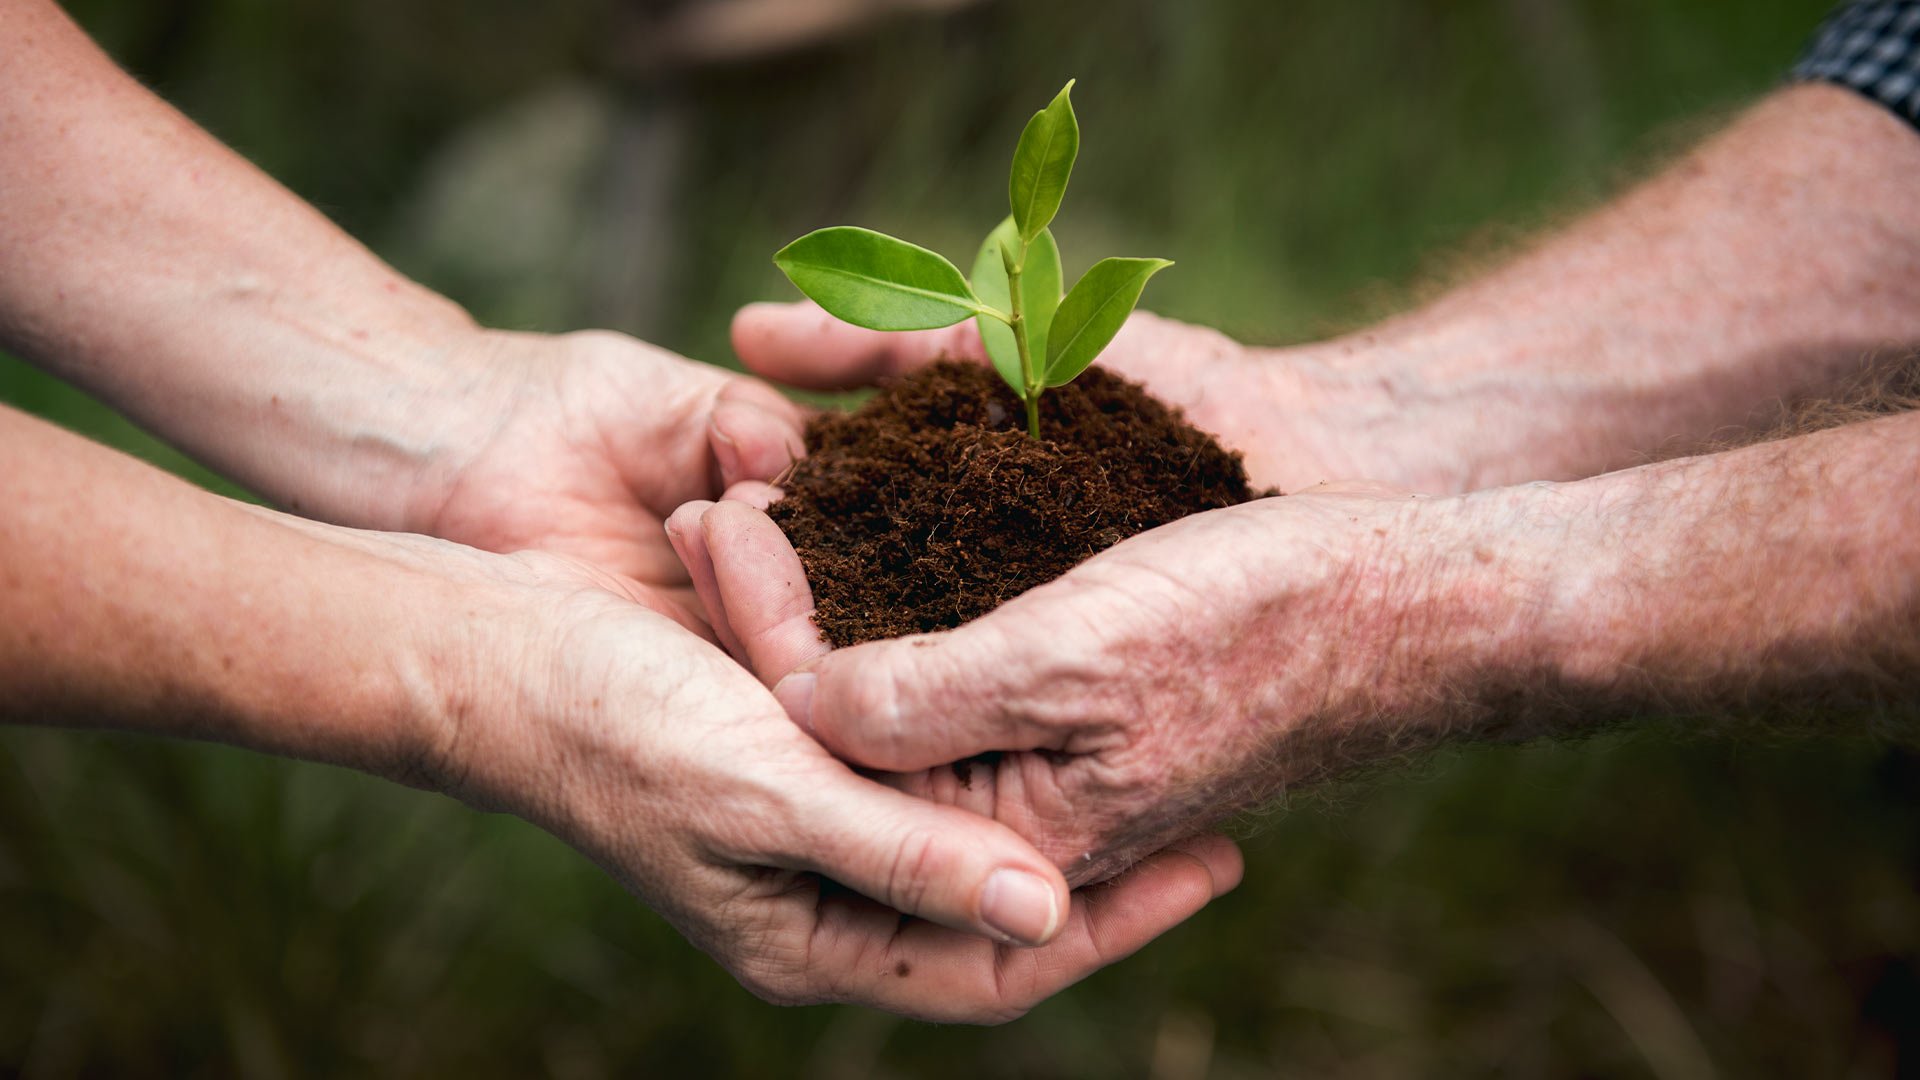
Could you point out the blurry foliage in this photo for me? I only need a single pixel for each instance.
(1644, 903)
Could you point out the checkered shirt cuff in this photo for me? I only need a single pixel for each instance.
(1873, 47)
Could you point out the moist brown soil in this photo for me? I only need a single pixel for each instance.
(930, 505)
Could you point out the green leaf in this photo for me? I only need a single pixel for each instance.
(871, 279)
(1093, 312)
(1039, 295)
(1041, 164)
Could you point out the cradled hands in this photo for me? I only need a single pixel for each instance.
(578, 708)
(1166, 683)
(1162, 685)
(584, 697)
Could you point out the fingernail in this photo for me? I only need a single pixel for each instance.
(728, 453)
(1020, 905)
(795, 692)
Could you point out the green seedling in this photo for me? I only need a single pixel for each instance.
(1036, 338)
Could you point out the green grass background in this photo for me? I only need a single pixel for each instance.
(1652, 902)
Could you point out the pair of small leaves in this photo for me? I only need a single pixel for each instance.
(1065, 335)
(1039, 296)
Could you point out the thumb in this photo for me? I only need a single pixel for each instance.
(801, 345)
(753, 432)
(913, 703)
(939, 863)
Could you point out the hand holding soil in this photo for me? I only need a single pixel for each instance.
(1202, 667)
(1169, 681)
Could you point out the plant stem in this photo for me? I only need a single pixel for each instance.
(1031, 393)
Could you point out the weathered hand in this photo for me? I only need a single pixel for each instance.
(581, 444)
(1169, 681)
(654, 753)
(1301, 416)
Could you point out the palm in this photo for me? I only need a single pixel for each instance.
(600, 438)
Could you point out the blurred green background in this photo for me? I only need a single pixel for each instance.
(1654, 902)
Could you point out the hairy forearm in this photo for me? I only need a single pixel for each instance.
(1769, 265)
(1781, 576)
(148, 263)
(1777, 582)
(132, 600)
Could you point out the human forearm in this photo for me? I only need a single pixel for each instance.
(1776, 582)
(133, 601)
(158, 269)
(1778, 576)
(1768, 265)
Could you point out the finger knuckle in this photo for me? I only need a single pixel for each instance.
(874, 702)
(1002, 1013)
(914, 870)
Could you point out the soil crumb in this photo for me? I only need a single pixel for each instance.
(930, 505)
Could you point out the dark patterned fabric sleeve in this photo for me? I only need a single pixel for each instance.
(1873, 47)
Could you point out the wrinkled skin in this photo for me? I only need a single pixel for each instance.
(1128, 703)
(647, 748)
(578, 706)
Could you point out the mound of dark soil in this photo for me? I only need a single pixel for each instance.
(930, 505)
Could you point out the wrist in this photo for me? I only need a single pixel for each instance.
(368, 414)
(1458, 620)
(1408, 412)
(355, 659)
(1402, 619)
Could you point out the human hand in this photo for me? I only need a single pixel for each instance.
(581, 444)
(652, 752)
(1300, 416)
(1178, 677)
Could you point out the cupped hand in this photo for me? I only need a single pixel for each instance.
(648, 749)
(1178, 677)
(1300, 416)
(581, 444)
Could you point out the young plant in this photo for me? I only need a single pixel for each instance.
(1036, 338)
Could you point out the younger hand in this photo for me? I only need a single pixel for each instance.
(581, 444)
